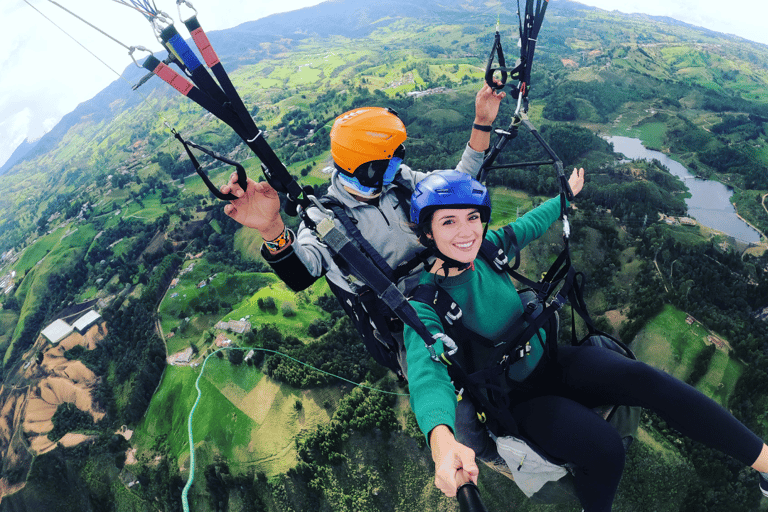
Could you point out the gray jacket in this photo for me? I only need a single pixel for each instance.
(385, 226)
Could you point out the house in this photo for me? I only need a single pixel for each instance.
(183, 357)
(222, 341)
(236, 326)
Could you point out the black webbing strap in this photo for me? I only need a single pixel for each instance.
(241, 176)
(212, 61)
(171, 38)
(462, 380)
(529, 27)
(385, 289)
(352, 231)
(223, 101)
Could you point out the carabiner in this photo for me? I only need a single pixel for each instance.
(188, 4)
(160, 22)
(133, 49)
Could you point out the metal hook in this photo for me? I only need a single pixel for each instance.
(160, 22)
(188, 4)
(133, 49)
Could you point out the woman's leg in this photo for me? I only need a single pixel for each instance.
(598, 376)
(568, 431)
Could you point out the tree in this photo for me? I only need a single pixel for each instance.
(235, 355)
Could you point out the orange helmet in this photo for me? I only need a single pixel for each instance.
(367, 135)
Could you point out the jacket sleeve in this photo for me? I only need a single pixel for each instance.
(306, 260)
(433, 397)
(470, 163)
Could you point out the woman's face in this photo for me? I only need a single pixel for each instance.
(458, 233)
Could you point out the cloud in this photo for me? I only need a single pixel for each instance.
(712, 14)
(15, 129)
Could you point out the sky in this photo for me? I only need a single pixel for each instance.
(46, 74)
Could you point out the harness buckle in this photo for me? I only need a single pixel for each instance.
(325, 226)
(449, 347)
(453, 314)
(559, 301)
(500, 260)
(432, 354)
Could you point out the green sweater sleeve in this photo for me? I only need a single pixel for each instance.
(433, 398)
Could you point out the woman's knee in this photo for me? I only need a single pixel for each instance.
(608, 455)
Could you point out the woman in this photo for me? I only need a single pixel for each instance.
(550, 400)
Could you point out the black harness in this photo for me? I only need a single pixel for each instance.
(379, 326)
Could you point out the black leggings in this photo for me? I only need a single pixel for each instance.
(559, 419)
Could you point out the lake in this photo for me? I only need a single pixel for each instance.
(710, 201)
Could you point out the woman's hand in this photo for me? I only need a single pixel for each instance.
(576, 181)
(454, 462)
(257, 207)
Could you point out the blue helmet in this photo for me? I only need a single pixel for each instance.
(449, 189)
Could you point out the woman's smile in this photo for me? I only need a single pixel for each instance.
(457, 233)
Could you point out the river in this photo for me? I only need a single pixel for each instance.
(710, 201)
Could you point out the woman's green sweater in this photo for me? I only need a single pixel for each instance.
(490, 305)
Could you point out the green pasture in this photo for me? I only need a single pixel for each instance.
(51, 254)
(37, 251)
(151, 210)
(123, 246)
(301, 302)
(652, 134)
(630, 268)
(8, 321)
(242, 291)
(685, 235)
(667, 342)
(180, 302)
(506, 203)
(87, 294)
(248, 243)
(242, 416)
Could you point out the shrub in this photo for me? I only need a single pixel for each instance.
(287, 309)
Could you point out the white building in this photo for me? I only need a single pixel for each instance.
(57, 331)
(86, 321)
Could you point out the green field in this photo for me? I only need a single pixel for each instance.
(667, 342)
(242, 416)
(239, 295)
(507, 204)
(652, 134)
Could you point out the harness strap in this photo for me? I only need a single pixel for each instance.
(352, 231)
(458, 374)
(171, 38)
(384, 289)
(225, 103)
(241, 176)
(402, 190)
